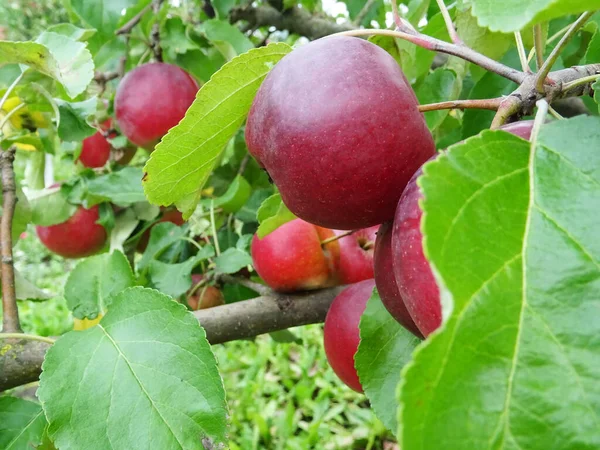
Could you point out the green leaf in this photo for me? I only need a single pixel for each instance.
(93, 282)
(181, 163)
(385, 347)
(222, 7)
(592, 55)
(67, 61)
(596, 88)
(144, 377)
(232, 260)
(234, 198)
(22, 423)
(227, 38)
(436, 27)
(122, 188)
(514, 15)
(272, 214)
(21, 217)
(440, 85)
(25, 290)
(163, 235)
(71, 31)
(49, 207)
(201, 63)
(174, 39)
(493, 45)
(125, 223)
(103, 15)
(509, 232)
(73, 119)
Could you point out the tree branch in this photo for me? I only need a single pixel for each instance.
(125, 29)
(21, 360)
(155, 35)
(295, 20)
(10, 318)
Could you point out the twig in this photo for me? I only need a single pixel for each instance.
(256, 287)
(337, 237)
(449, 24)
(437, 45)
(244, 164)
(491, 104)
(521, 50)
(508, 107)
(363, 12)
(30, 337)
(126, 29)
(581, 81)
(396, 15)
(538, 43)
(547, 66)
(10, 318)
(155, 35)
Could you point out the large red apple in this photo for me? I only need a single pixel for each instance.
(151, 99)
(336, 126)
(356, 255)
(204, 296)
(386, 282)
(168, 215)
(77, 237)
(291, 258)
(341, 334)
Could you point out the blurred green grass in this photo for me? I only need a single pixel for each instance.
(280, 395)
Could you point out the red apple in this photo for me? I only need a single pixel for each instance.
(79, 236)
(336, 125)
(341, 334)
(291, 258)
(151, 99)
(205, 296)
(95, 149)
(169, 215)
(386, 282)
(522, 129)
(356, 255)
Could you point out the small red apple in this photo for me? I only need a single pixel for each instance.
(341, 334)
(204, 296)
(522, 129)
(151, 99)
(356, 255)
(169, 215)
(95, 150)
(77, 237)
(386, 282)
(291, 258)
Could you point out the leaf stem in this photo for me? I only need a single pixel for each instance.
(29, 337)
(521, 50)
(337, 236)
(573, 84)
(10, 89)
(437, 45)
(538, 45)
(491, 104)
(449, 24)
(540, 119)
(125, 29)
(547, 66)
(214, 227)
(11, 113)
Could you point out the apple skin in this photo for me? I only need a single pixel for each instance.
(169, 215)
(95, 150)
(386, 281)
(336, 126)
(356, 255)
(341, 334)
(291, 258)
(77, 237)
(522, 129)
(205, 296)
(152, 99)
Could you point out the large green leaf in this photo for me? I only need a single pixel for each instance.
(73, 119)
(144, 377)
(228, 39)
(26, 290)
(49, 207)
(182, 162)
(55, 55)
(94, 281)
(514, 15)
(122, 188)
(22, 424)
(493, 45)
(385, 347)
(103, 15)
(511, 231)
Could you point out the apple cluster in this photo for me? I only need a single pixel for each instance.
(337, 127)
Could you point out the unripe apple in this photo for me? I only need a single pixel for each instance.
(151, 99)
(77, 237)
(291, 258)
(386, 282)
(168, 215)
(341, 334)
(205, 296)
(337, 127)
(356, 255)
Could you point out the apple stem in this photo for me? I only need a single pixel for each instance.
(336, 237)
(492, 104)
(547, 66)
(10, 318)
(449, 24)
